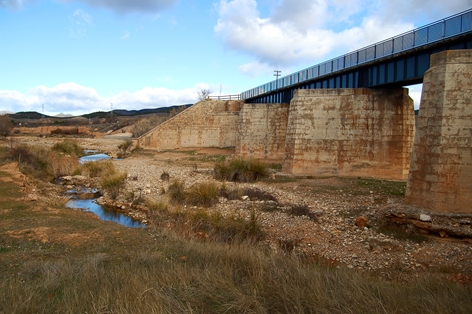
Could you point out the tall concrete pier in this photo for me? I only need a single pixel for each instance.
(350, 132)
(440, 175)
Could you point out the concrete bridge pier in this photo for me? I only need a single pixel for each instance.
(440, 175)
(350, 132)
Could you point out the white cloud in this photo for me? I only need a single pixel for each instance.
(309, 31)
(72, 98)
(130, 6)
(13, 4)
(81, 22)
(125, 35)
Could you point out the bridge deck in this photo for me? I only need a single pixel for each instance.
(401, 60)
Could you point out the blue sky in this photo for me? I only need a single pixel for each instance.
(79, 56)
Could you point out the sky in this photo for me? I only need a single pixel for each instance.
(81, 56)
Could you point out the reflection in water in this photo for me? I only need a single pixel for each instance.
(104, 214)
(95, 157)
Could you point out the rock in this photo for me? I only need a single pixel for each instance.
(424, 217)
(32, 197)
(362, 222)
(245, 198)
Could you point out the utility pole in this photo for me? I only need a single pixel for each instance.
(277, 74)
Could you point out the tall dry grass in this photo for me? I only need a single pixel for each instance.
(241, 170)
(43, 163)
(191, 277)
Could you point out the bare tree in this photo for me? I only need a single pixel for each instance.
(203, 94)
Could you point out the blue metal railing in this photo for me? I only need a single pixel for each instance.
(455, 25)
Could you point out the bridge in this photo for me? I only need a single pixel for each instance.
(398, 61)
(351, 117)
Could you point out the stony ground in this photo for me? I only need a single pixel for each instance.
(328, 232)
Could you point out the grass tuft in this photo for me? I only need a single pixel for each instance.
(176, 192)
(68, 146)
(203, 194)
(241, 170)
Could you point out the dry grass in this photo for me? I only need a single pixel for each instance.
(97, 168)
(42, 163)
(113, 269)
(203, 194)
(241, 170)
(68, 146)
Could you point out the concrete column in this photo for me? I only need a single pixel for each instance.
(350, 132)
(440, 175)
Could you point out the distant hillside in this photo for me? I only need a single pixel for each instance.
(33, 115)
(28, 115)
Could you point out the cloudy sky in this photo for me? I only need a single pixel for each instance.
(79, 56)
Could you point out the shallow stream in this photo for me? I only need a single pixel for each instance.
(91, 204)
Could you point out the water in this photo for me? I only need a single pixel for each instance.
(104, 214)
(94, 157)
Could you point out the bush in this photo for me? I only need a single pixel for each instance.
(66, 131)
(176, 192)
(203, 194)
(68, 146)
(97, 168)
(227, 229)
(241, 170)
(124, 147)
(144, 125)
(42, 163)
(5, 126)
(113, 183)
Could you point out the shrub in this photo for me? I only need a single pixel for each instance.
(124, 147)
(165, 176)
(42, 163)
(66, 131)
(5, 126)
(144, 125)
(97, 168)
(241, 170)
(302, 210)
(68, 146)
(176, 192)
(113, 183)
(203, 194)
(60, 165)
(233, 228)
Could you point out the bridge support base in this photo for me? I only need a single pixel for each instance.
(350, 132)
(440, 175)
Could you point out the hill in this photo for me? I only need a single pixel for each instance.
(33, 115)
